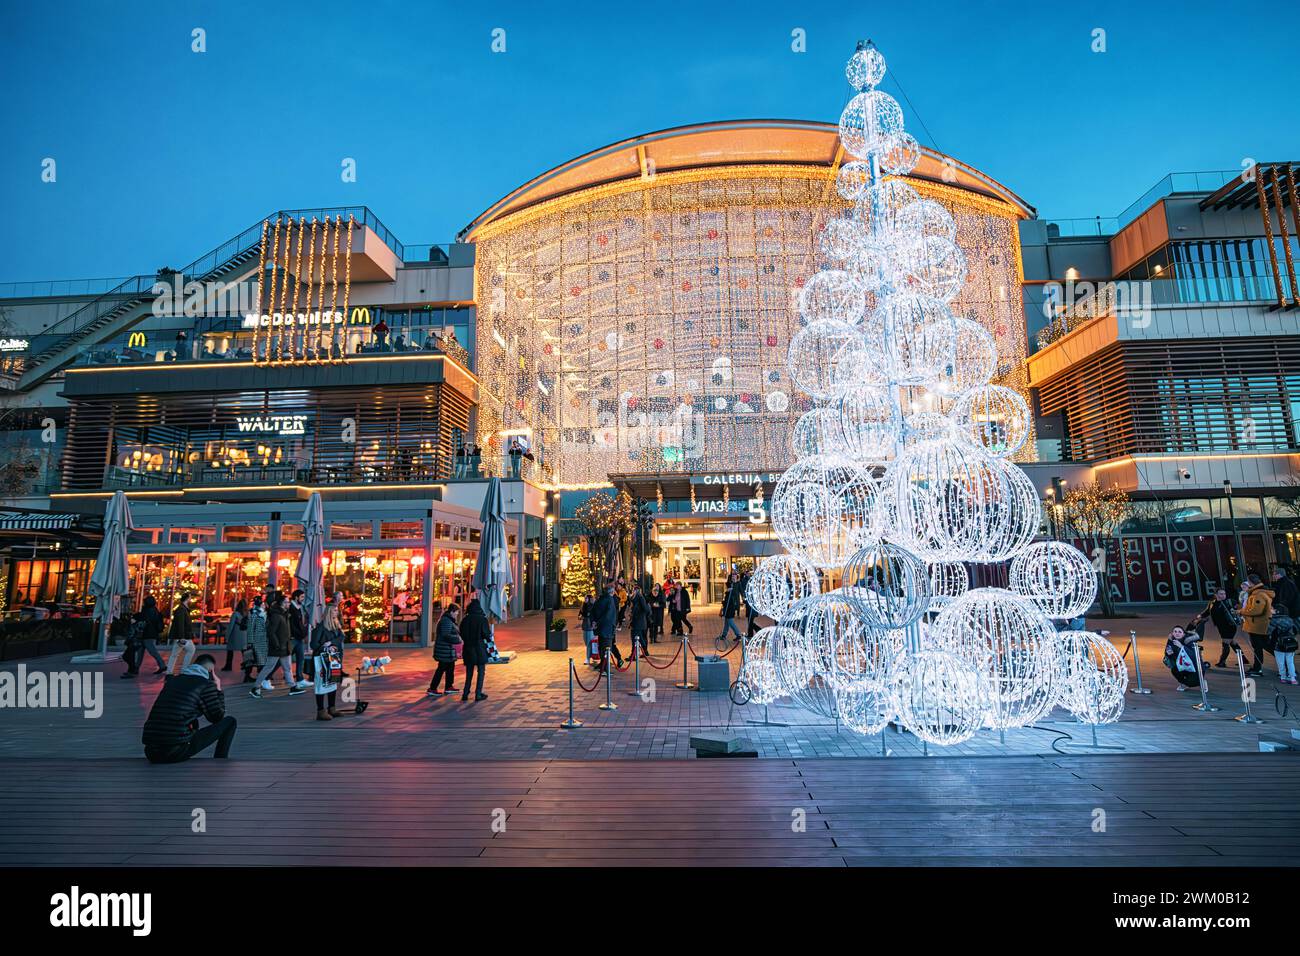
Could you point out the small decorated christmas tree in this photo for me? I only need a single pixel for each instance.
(578, 581)
(371, 616)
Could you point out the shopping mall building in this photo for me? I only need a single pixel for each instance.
(623, 319)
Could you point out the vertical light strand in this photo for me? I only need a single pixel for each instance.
(1286, 236)
(261, 269)
(347, 266)
(320, 286)
(310, 355)
(270, 303)
(334, 292)
(1268, 237)
(297, 291)
(284, 290)
(1295, 206)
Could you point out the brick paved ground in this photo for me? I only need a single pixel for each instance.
(527, 701)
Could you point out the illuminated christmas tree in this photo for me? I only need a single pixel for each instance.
(578, 580)
(371, 616)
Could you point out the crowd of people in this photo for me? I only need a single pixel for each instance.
(642, 611)
(1262, 614)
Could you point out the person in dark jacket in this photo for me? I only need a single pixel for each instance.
(1284, 590)
(679, 608)
(150, 625)
(279, 647)
(445, 639)
(297, 615)
(588, 621)
(730, 608)
(638, 614)
(181, 636)
(605, 615)
(1223, 616)
(237, 635)
(474, 632)
(172, 732)
(657, 605)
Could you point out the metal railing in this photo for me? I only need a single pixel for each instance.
(57, 288)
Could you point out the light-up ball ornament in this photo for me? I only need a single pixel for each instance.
(817, 432)
(869, 265)
(927, 217)
(948, 580)
(778, 583)
(1013, 647)
(832, 295)
(868, 423)
(940, 697)
(852, 179)
(887, 585)
(975, 360)
(823, 508)
(868, 122)
(994, 417)
(916, 337)
(1057, 577)
(824, 356)
(866, 68)
(927, 426)
(1094, 677)
(759, 671)
(947, 496)
(935, 267)
(866, 705)
(1016, 512)
(900, 155)
(882, 207)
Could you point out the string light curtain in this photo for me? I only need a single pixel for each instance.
(289, 330)
(642, 326)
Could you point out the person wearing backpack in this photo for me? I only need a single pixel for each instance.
(145, 630)
(1284, 635)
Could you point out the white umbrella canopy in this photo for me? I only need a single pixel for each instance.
(492, 572)
(110, 583)
(310, 573)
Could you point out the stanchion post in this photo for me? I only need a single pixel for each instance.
(1204, 706)
(1247, 717)
(572, 722)
(635, 689)
(685, 682)
(609, 681)
(1137, 666)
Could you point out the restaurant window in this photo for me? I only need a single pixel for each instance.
(382, 592)
(291, 531)
(401, 529)
(475, 535)
(442, 530)
(58, 581)
(352, 530)
(144, 536)
(191, 535)
(245, 533)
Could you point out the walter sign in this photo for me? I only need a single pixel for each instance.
(272, 424)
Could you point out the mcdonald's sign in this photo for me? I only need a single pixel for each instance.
(360, 316)
(137, 340)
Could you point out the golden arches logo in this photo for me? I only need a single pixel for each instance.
(137, 340)
(360, 316)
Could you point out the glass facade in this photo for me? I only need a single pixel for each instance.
(1213, 270)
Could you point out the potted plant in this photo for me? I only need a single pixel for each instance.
(557, 635)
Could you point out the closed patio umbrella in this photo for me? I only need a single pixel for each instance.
(310, 573)
(111, 581)
(492, 572)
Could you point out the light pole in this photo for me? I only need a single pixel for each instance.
(1236, 535)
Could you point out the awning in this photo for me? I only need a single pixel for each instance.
(36, 521)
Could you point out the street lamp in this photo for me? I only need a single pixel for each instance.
(1236, 535)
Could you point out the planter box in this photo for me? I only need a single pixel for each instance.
(557, 640)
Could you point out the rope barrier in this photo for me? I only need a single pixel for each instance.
(733, 648)
(599, 674)
(663, 667)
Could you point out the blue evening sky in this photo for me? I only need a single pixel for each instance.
(163, 153)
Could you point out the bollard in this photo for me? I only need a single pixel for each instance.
(1137, 666)
(572, 722)
(1247, 717)
(685, 682)
(609, 680)
(1204, 706)
(635, 690)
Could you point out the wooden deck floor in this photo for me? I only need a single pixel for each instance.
(1165, 810)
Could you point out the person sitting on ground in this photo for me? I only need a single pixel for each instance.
(1180, 658)
(1284, 638)
(172, 732)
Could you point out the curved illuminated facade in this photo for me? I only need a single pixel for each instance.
(635, 305)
